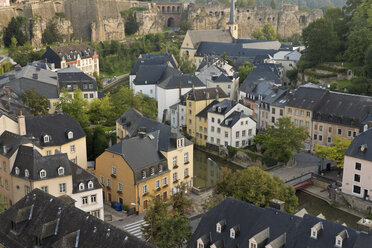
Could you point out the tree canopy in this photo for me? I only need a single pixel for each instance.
(335, 152)
(15, 29)
(256, 186)
(280, 142)
(244, 71)
(266, 33)
(51, 34)
(38, 104)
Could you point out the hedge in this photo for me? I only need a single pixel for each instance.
(317, 75)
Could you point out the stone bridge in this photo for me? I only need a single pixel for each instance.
(172, 13)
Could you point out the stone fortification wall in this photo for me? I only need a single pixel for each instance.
(286, 21)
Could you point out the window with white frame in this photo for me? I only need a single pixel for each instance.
(108, 182)
(114, 171)
(70, 135)
(46, 138)
(27, 173)
(61, 171)
(27, 188)
(81, 186)
(85, 200)
(72, 148)
(186, 172)
(157, 184)
(144, 189)
(102, 180)
(120, 187)
(160, 168)
(152, 171)
(62, 188)
(175, 177)
(90, 185)
(93, 198)
(165, 181)
(45, 189)
(174, 160)
(49, 152)
(43, 173)
(17, 171)
(180, 143)
(143, 174)
(186, 157)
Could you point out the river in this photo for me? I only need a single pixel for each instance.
(207, 171)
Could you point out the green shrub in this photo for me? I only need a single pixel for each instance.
(326, 67)
(269, 161)
(232, 151)
(314, 74)
(61, 15)
(125, 207)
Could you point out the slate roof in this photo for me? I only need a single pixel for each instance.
(306, 98)
(12, 142)
(153, 59)
(153, 74)
(71, 51)
(133, 121)
(204, 112)
(59, 225)
(22, 79)
(260, 73)
(56, 126)
(181, 80)
(29, 158)
(231, 49)
(141, 153)
(76, 77)
(222, 107)
(79, 175)
(11, 104)
(343, 109)
(213, 35)
(355, 150)
(276, 97)
(222, 79)
(204, 94)
(232, 119)
(252, 220)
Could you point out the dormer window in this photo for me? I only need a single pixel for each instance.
(143, 174)
(315, 230)
(81, 186)
(219, 109)
(152, 171)
(160, 168)
(218, 228)
(42, 173)
(61, 171)
(232, 233)
(70, 135)
(46, 138)
(90, 185)
(341, 237)
(17, 171)
(180, 143)
(27, 173)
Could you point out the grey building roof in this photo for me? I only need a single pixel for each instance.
(275, 97)
(253, 220)
(181, 80)
(134, 122)
(204, 94)
(22, 79)
(361, 146)
(154, 59)
(260, 73)
(222, 79)
(11, 142)
(76, 78)
(71, 51)
(306, 98)
(11, 104)
(222, 107)
(232, 119)
(343, 109)
(153, 74)
(79, 175)
(55, 223)
(231, 50)
(281, 100)
(214, 35)
(141, 153)
(204, 112)
(56, 126)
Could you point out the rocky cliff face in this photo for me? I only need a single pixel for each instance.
(287, 21)
(150, 21)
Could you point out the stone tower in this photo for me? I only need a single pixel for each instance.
(232, 25)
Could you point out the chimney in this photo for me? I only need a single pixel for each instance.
(12, 77)
(22, 125)
(277, 204)
(364, 225)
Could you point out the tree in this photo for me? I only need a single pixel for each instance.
(258, 34)
(335, 152)
(227, 59)
(179, 201)
(368, 62)
(280, 141)
(269, 32)
(273, 4)
(131, 24)
(357, 44)
(98, 80)
(15, 29)
(213, 200)
(75, 106)
(292, 75)
(38, 104)
(244, 71)
(175, 231)
(51, 34)
(256, 186)
(321, 41)
(2, 205)
(100, 142)
(186, 65)
(154, 216)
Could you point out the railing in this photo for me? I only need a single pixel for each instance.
(300, 179)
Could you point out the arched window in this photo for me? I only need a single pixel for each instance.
(27, 173)
(90, 185)
(42, 173)
(81, 186)
(17, 171)
(61, 171)
(46, 138)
